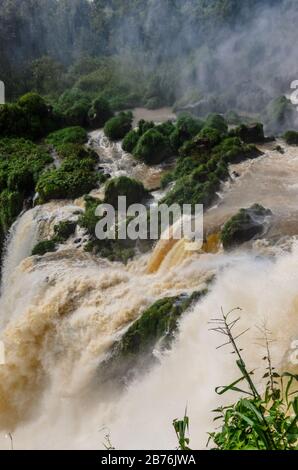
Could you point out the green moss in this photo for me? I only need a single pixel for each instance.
(186, 128)
(100, 112)
(30, 117)
(291, 137)
(117, 127)
(64, 230)
(244, 226)
(130, 141)
(123, 186)
(218, 122)
(43, 247)
(68, 135)
(157, 324)
(67, 182)
(21, 163)
(153, 147)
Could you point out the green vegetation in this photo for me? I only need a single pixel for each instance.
(21, 163)
(64, 230)
(259, 420)
(244, 226)
(123, 186)
(153, 147)
(216, 121)
(157, 324)
(117, 127)
(291, 137)
(29, 117)
(187, 127)
(202, 167)
(68, 135)
(114, 250)
(266, 420)
(100, 112)
(43, 247)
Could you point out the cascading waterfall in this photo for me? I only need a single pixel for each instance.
(60, 314)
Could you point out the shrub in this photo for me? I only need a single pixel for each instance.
(64, 230)
(216, 121)
(30, 117)
(68, 135)
(250, 133)
(44, 247)
(187, 127)
(117, 127)
(67, 182)
(100, 112)
(130, 141)
(124, 186)
(291, 137)
(74, 106)
(153, 147)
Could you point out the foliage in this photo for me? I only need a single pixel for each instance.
(156, 325)
(132, 189)
(21, 163)
(117, 127)
(68, 135)
(75, 177)
(243, 226)
(186, 128)
(30, 117)
(181, 428)
(291, 137)
(216, 121)
(100, 112)
(63, 230)
(130, 141)
(153, 147)
(43, 247)
(257, 421)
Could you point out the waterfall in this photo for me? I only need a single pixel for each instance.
(60, 314)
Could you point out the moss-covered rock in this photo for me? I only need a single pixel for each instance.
(100, 112)
(156, 325)
(117, 127)
(124, 186)
(64, 230)
(153, 147)
(43, 247)
(250, 133)
(291, 137)
(186, 128)
(218, 122)
(130, 141)
(244, 226)
(67, 182)
(68, 135)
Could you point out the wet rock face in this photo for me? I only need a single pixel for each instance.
(245, 225)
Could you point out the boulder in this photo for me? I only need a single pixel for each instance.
(245, 225)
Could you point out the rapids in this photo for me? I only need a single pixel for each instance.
(60, 314)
